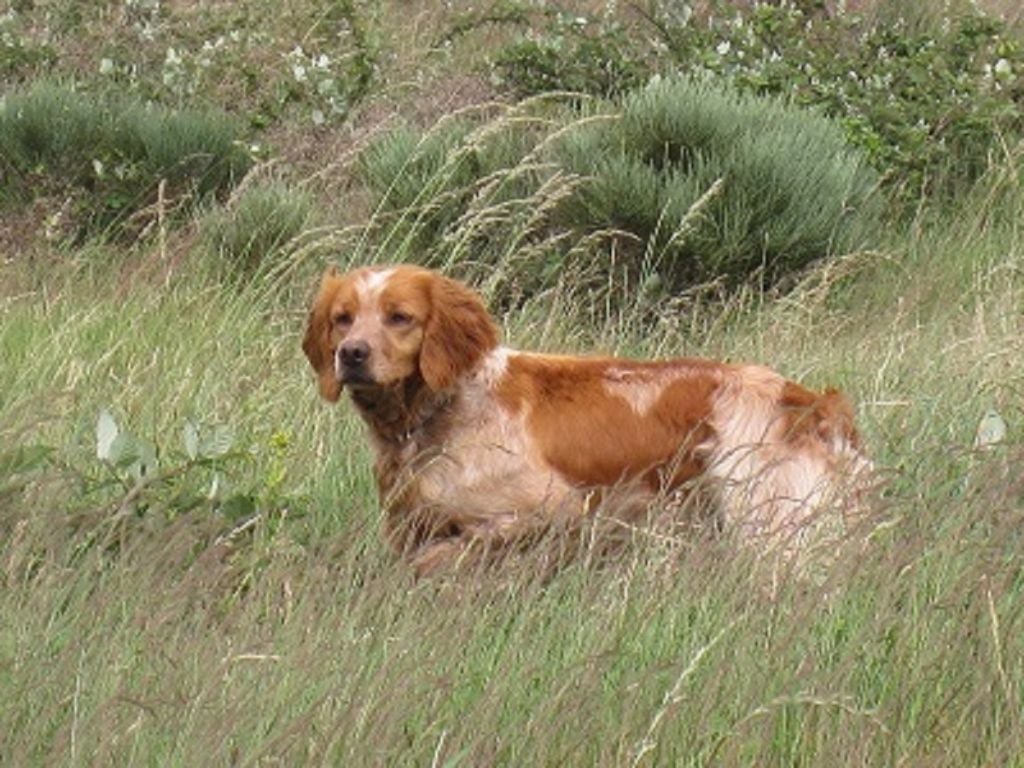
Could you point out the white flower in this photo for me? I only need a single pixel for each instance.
(723, 47)
(300, 72)
(322, 62)
(1003, 68)
(318, 117)
(106, 66)
(98, 169)
(172, 57)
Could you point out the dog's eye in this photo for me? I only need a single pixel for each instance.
(342, 318)
(399, 318)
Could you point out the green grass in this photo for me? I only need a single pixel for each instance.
(113, 157)
(258, 225)
(156, 628)
(235, 604)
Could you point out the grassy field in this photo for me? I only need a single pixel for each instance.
(191, 571)
(158, 632)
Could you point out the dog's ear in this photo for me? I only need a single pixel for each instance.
(459, 332)
(317, 341)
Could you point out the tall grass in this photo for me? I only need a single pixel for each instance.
(167, 632)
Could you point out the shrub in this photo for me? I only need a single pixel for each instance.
(111, 154)
(307, 60)
(423, 181)
(716, 184)
(690, 183)
(406, 167)
(253, 229)
(574, 53)
(930, 98)
(21, 52)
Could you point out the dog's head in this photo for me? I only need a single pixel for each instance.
(376, 327)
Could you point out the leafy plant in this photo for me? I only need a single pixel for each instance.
(113, 156)
(146, 486)
(678, 183)
(931, 98)
(179, 482)
(573, 53)
(21, 53)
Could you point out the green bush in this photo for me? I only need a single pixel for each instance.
(688, 182)
(422, 182)
(253, 229)
(110, 155)
(930, 97)
(715, 184)
(930, 100)
(408, 170)
(575, 54)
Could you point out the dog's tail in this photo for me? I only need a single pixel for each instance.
(783, 452)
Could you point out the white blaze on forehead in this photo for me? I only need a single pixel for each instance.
(372, 283)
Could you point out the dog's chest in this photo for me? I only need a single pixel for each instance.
(483, 472)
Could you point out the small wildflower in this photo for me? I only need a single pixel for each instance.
(106, 66)
(299, 72)
(723, 47)
(318, 117)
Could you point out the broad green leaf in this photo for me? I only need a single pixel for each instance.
(123, 450)
(106, 433)
(190, 438)
(991, 430)
(239, 506)
(220, 440)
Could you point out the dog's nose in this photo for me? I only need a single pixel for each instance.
(354, 353)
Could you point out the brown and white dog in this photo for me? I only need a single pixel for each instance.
(475, 442)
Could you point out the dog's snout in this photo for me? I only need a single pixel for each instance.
(354, 353)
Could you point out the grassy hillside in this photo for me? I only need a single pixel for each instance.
(190, 566)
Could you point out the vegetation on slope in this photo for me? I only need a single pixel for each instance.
(190, 567)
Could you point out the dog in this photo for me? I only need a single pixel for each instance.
(476, 443)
